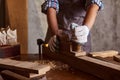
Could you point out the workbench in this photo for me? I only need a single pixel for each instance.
(94, 63)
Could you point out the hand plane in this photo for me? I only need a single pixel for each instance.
(71, 48)
(67, 47)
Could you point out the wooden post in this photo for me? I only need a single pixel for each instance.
(17, 16)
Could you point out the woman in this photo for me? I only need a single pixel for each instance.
(64, 14)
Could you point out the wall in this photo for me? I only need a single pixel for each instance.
(17, 19)
(37, 24)
(105, 33)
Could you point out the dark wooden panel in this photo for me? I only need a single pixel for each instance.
(9, 51)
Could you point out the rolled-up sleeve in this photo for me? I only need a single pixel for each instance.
(98, 2)
(50, 4)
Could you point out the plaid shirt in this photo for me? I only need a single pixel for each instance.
(55, 4)
(50, 3)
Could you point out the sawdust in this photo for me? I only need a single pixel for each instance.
(55, 65)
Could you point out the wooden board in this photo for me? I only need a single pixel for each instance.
(31, 69)
(104, 54)
(99, 68)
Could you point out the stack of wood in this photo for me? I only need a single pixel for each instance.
(28, 69)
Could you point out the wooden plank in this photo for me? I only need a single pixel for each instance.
(104, 54)
(116, 58)
(99, 68)
(30, 67)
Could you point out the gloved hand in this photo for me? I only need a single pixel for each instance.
(53, 43)
(80, 33)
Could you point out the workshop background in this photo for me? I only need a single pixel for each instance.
(31, 24)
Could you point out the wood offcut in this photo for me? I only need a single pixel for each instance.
(104, 54)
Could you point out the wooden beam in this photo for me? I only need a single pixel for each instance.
(18, 19)
(99, 68)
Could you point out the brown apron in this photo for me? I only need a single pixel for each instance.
(71, 11)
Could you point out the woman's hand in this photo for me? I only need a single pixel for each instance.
(54, 41)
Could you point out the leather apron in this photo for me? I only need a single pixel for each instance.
(71, 11)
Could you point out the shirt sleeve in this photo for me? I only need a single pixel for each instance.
(98, 2)
(50, 4)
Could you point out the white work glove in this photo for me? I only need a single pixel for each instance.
(53, 43)
(80, 33)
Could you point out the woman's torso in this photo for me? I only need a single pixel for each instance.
(70, 11)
